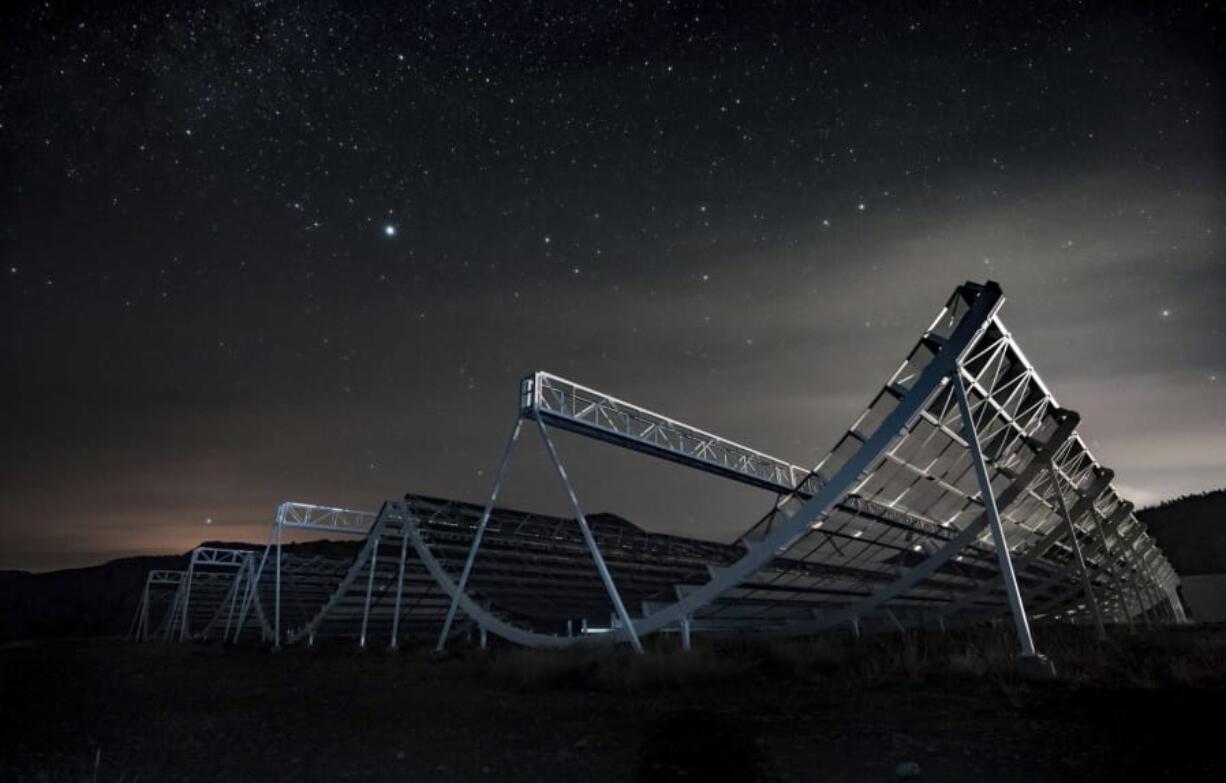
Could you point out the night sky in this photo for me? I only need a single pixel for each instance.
(268, 251)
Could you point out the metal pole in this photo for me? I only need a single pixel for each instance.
(276, 622)
(855, 627)
(1142, 609)
(989, 504)
(144, 618)
(476, 544)
(603, 569)
(1081, 562)
(134, 628)
(168, 623)
(1155, 590)
(685, 633)
(370, 584)
(404, 549)
(484, 637)
(187, 596)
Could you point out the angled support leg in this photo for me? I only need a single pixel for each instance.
(254, 584)
(187, 596)
(609, 586)
(476, 544)
(404, 550)
(168, 623)
(1081, 562)
(370, 586)
(1029, 659)
(234, 592)
(134, 629)
(1133, 582)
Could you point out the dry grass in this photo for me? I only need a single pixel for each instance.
(1172, 656)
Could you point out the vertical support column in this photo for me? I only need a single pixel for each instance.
(603, 569)
(685, 633)
(484, 637)
(370, 586)
(404, 549)
(187, 596)
(476, 544)
(855, 626)
(1022, 624)
(1081, 561)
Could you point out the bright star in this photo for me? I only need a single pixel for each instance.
(389, 230)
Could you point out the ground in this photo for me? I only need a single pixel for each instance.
(1145, 707)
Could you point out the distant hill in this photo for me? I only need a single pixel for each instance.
(1191, 531)
(99, 600)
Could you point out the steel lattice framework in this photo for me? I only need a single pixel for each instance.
(962, 493)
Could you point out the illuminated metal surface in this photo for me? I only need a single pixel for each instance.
(891, 524)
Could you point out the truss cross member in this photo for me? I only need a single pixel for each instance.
(609, 586)
(1081, 562)
(480, 531)
(1030, 662)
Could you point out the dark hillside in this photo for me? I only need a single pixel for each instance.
(1191, 531)
(99, 600)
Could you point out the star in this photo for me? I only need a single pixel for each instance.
(389, 230)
